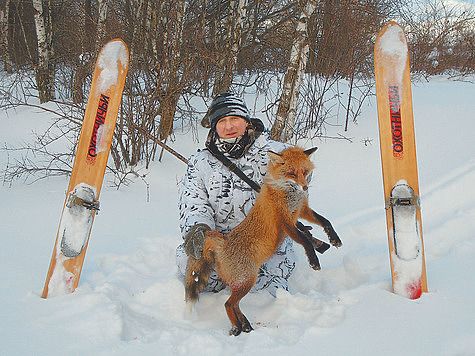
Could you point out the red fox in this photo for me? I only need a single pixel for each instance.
(238, 256)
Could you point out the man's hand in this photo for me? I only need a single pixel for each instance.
(194, 240)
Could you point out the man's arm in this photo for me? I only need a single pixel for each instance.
(194, 204)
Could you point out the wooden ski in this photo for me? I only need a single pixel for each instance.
(81, 204)
(399, 163)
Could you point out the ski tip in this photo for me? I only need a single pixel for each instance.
(116, 49)
(113, 62)
(392, 41)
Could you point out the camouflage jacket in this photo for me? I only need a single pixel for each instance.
(213, 195)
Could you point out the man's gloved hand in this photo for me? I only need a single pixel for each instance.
(195, 239)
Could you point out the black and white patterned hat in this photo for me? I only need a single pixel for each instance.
(227, 104)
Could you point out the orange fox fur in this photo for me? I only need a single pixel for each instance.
(238, 255)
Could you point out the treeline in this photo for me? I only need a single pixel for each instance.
(184, 49)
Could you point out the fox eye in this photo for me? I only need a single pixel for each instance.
(293, 175)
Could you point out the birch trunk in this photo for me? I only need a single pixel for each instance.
(137, 31)
(173, 89)
(86, 61)
(4, 36)
(286, 111)
(224, 74)
(150, 24)
(101, 23)
(228, 57)
(51, 54)
(44, 79)
(235, 40)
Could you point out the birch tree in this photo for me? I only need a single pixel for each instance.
(228, 58)
(293, 77)
(173, 86)
(85, 63)
(4, 36)
(101, 24)
(45, 67)
(228, 52)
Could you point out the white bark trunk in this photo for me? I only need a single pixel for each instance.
(40, 32)
(174, 85)
(137, 32)
(286, 111)
(151, 18)
(44, 79)
(4, 30)
(178, 33)
(101, 23)
(236, 40)
(224, 74)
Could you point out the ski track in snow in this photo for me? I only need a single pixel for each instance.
(130, 299)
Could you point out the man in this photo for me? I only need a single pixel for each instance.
(215, 198)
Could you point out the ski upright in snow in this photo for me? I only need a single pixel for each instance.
(82, 197)
(399, 163)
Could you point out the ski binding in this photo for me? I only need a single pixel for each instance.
(76, 222)
(407, 242)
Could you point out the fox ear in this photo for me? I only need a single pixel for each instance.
(275, 158)
(310, 151)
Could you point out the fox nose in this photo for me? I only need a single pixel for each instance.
(305, 187)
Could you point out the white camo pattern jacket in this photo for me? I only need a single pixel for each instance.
(213, 195)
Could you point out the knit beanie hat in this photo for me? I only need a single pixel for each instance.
(227, 104)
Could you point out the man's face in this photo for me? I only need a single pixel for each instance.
(231, 127)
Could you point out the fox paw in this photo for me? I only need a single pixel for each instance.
(314, 263)
(247, 328)
(336, 243)
(235, 330)
(316, 267)
(333, 237)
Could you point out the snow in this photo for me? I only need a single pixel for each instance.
(102, 139)
(131, 302)
(393, 43)
(112, 53)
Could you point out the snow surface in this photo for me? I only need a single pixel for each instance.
(131, 302)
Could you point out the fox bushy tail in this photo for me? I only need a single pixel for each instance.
(198, 271)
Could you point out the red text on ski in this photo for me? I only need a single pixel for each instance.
(99, 121)
(396, 126)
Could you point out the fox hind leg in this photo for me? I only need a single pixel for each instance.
(238, 320)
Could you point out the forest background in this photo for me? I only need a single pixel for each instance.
(309, 61)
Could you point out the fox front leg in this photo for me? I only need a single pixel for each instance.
(310, 215)
(319, 245)
(300, 237)
(328, 228)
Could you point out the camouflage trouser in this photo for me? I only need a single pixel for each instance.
(273, 274)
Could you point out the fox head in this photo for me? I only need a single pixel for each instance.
(290, 168)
